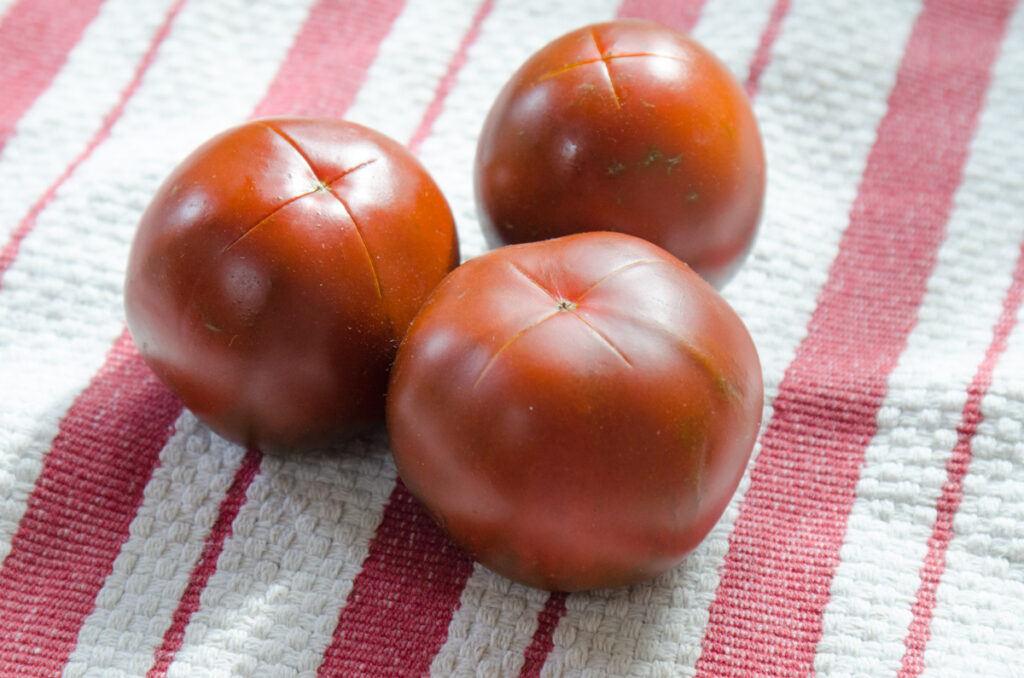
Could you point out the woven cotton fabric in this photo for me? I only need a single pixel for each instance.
(878, 530)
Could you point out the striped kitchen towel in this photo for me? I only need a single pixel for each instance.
(878, 531)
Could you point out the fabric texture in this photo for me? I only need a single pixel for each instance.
(878, 530)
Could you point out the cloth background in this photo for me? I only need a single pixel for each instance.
(878, 531)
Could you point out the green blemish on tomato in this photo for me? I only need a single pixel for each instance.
(693, 438)
(615, 169)
(653, 156)
(727, 125)
(718, 378)
(692, 196)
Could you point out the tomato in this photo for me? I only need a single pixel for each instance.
(625, 126)
(577, 412)
(275, 272)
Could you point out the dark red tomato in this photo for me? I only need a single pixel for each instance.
(275, 272)
(576, 413)
(625, 126)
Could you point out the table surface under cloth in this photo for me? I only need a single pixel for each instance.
(878, 531)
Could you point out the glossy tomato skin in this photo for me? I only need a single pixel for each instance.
(626, 126)
(275, 271)
(576, 413)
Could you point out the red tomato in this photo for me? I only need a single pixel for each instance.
(576, 413)
(276, 270)
(625, 126)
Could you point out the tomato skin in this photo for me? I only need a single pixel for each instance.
(576, 413)
(272, 303)
(656, 139)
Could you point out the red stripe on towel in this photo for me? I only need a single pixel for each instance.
(35, 39)
(397, 615)
(784, 548)
(207, 563)
(10, 249)
(681, 16)
(763, 54)
(543, 638)
(448, 81)
(957, 466)
(78, 514)
(330, 58)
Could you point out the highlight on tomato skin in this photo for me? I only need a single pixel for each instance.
(275, 271)
(575, 413)
(626, 126)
